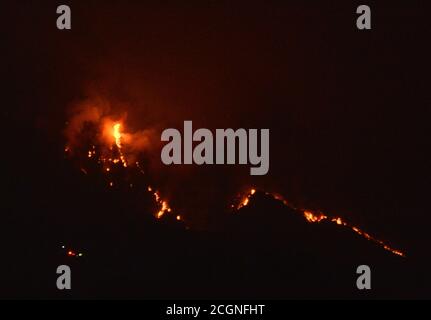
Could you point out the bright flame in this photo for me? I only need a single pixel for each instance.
(117, 135)
(118, 142)
(245, 201)
(164, 206)
(311, 217)
(338, 221)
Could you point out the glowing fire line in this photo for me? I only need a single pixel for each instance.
(117, 135)
(164, 206)
(317, 217)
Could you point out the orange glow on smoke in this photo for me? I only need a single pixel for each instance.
(111, 144)
(109, 151)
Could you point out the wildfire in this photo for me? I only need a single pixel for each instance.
(311, 217)
(110, 153)
(116, 133)
(110, 147)
(317, 217)
(164, 206)
(245, 201)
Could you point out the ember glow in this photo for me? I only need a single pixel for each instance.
(311, 217)
(245, 200)
(317, 217)
(71, 252)
(163, 204)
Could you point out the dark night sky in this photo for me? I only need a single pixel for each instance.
(346, 109)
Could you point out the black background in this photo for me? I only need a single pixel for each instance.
(347, 110)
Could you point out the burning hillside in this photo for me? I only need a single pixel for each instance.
(106, 144)
(100, 140)
(318, 217)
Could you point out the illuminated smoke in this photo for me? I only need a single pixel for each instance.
(94, 125)
(110, 145)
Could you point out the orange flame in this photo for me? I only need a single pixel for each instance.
(164, 206)
(117, 134)
(118, 142)
(311, 217)
(245, 201)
